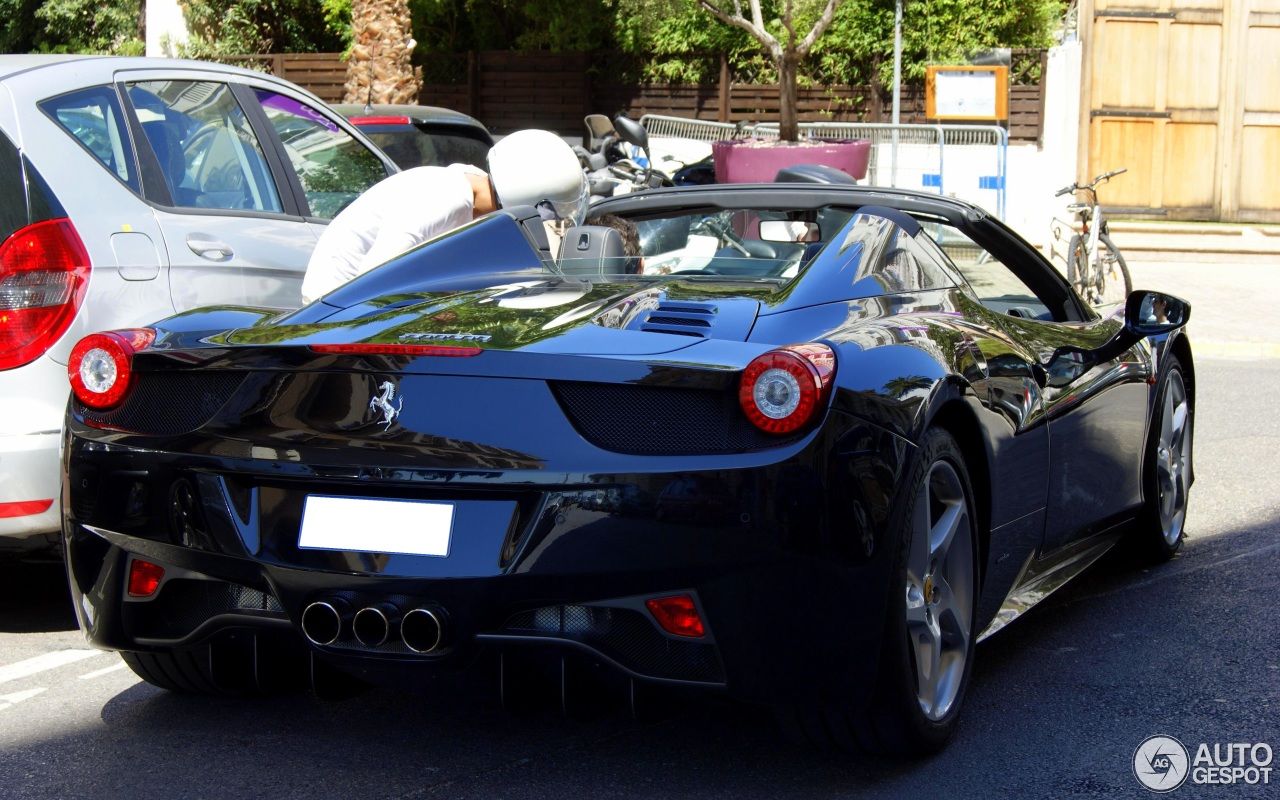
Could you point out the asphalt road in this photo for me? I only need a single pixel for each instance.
(1058, 705)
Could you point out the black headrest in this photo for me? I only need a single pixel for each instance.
(812, 173)
(592, 250)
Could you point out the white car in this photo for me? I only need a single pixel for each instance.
(132, 189)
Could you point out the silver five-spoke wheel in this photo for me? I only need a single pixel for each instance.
(1173, 451)
(940, 587)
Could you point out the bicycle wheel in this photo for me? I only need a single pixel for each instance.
(1113, 281)
(1078, 270)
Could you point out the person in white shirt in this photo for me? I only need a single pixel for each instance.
(530, 167)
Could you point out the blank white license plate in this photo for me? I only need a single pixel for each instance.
(363, 525)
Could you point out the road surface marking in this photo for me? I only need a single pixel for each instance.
(31, 666)
(7, 700)
(99, 673)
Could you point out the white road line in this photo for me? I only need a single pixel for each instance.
(7, 700)
(48, 661)
(99, 673)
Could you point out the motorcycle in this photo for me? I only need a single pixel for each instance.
(616, 158)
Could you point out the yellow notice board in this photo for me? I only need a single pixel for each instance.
(967, 92)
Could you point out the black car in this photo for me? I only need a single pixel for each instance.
(422, 136)
(857, 456)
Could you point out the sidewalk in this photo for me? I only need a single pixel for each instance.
(1230, 314)
(1198, 242)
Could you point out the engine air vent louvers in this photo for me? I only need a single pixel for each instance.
(685, 319)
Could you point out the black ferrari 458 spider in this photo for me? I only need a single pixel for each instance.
(806, 452)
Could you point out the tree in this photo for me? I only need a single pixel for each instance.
(379, 68)
(786, 51)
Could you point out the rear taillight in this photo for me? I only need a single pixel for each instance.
(783, 389)
(101, 365)
(44, 273)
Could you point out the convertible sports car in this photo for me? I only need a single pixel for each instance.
(806, 453)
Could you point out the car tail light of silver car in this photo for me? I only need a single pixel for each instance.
(101, 365)
(784, 388)
(44, 273)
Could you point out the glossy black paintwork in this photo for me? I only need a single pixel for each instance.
(770, 540)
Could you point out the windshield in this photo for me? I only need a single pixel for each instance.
(712, 244)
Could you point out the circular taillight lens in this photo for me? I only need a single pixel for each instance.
(783, 389)
(101, 365)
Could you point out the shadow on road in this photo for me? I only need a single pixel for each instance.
(34, 597)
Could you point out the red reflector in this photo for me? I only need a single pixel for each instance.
(379, 120)
(677, 615)
(24, 508)
(398, 350)
(144, 578)
(44, 274)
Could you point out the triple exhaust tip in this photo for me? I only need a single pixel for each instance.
(421, 629)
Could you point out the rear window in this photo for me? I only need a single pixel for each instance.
(412, 147)
(93, 118)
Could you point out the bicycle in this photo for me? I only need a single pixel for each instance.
(1095, 267)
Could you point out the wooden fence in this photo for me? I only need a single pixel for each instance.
(508, 91)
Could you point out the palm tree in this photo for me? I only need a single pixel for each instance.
(379, 69)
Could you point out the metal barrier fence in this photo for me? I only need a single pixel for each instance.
(965, 161)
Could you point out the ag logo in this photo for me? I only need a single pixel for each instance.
(1160, 763)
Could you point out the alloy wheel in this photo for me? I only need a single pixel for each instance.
(940, 589)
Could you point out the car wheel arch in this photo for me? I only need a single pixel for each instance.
(958, 419)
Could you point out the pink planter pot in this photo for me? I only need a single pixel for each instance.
(758, 161)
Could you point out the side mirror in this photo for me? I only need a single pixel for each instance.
(1153, 313)
(631, 131)
(1145, 314)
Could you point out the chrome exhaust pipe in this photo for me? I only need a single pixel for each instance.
(323, 620)
(374, 625)
(423, 630)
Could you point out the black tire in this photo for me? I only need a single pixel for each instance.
(1166, 469)
(897, 722)
(182, 671)
(1078, 268)
(1115, 283)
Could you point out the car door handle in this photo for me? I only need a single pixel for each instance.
(211, 249)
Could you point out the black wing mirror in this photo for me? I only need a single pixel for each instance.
(632, 132)
(1153, 313)
(1146, 314)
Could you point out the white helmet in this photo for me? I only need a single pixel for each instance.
(529, 168)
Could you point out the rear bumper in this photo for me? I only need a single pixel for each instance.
(784, 566)
(29, 477)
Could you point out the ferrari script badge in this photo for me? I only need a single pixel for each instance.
(382, 404)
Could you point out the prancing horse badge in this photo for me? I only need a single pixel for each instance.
(382, 404)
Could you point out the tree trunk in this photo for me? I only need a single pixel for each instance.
(379, 69)
(788, 114)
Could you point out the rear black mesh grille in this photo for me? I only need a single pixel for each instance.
(169, 403)
(660, 420)
(183, 605)
(626, 636)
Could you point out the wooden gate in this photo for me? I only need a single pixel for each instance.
(1186, 94)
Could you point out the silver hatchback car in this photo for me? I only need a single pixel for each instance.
(132, 189)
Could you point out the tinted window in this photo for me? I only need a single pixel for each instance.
(414, 147)
(207, 151)
(13, 196)
(93, 117)
(333, 167)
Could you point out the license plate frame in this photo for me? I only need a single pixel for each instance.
(376, 525)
